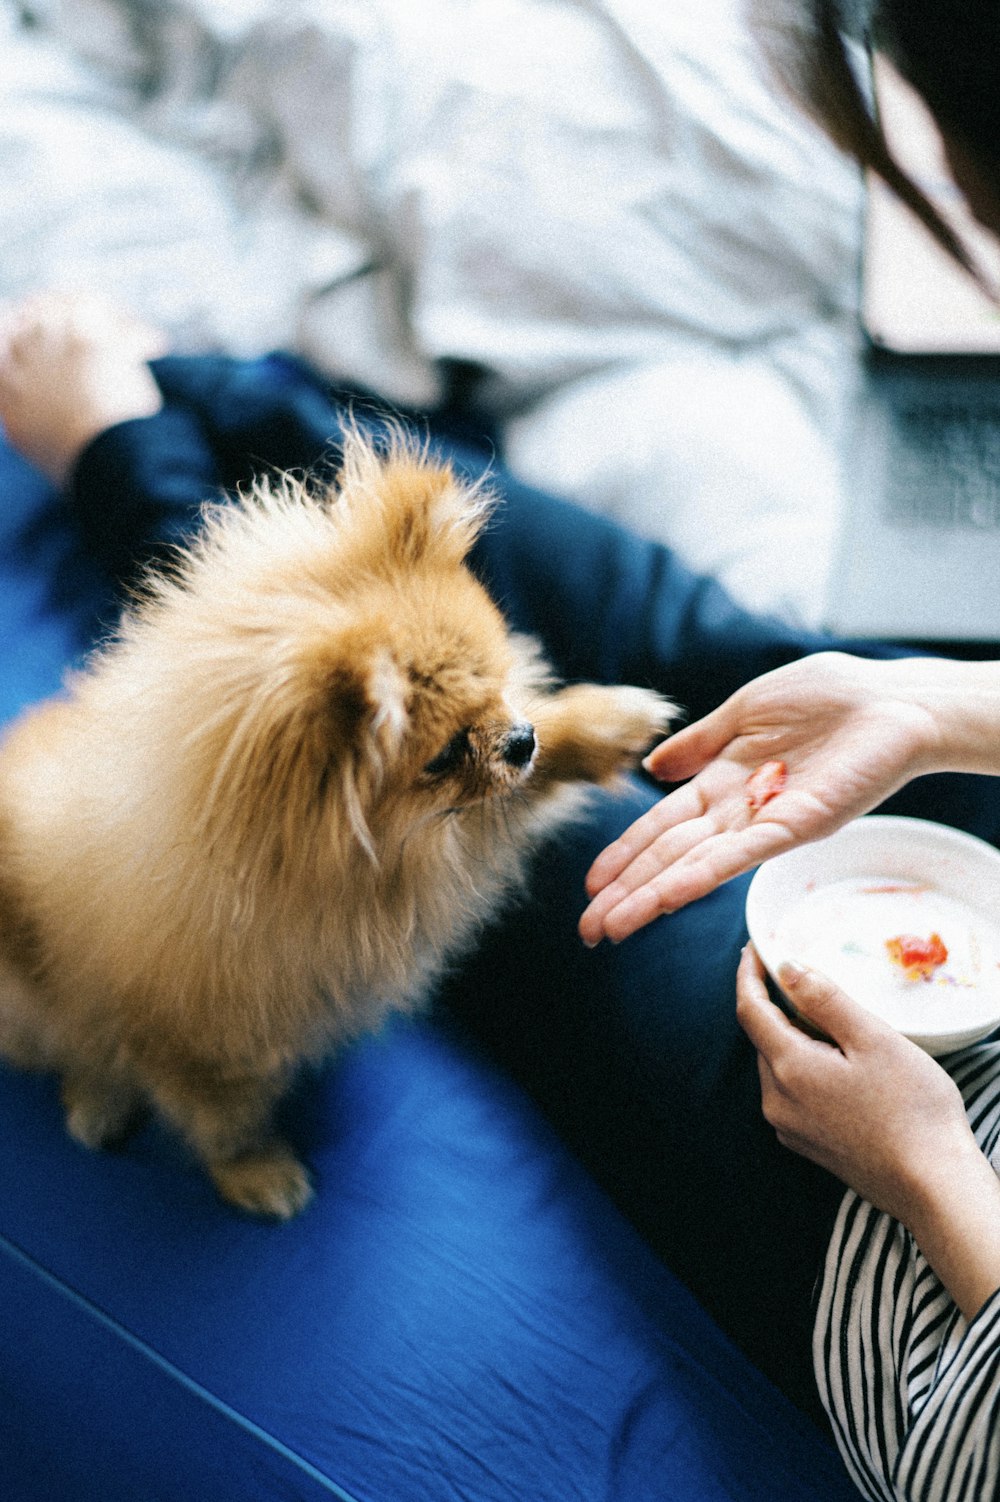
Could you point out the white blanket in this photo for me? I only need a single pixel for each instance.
(598, 203)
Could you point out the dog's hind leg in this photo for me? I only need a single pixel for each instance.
(103, 1108)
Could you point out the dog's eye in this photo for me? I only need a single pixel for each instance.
(451, 757)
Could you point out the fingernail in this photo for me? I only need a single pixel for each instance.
(790, 973)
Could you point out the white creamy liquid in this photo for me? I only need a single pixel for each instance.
(842, 929)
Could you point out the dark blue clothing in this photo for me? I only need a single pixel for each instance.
(609, 606)
(632, 1050)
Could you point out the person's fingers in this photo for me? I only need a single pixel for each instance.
(645, 877)
(764, 1023)
(828, 1009)
(690, 750)
(677, 808)
(620, 911)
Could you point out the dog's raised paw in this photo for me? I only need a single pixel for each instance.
(592, 732)
(630, 719)
(270, 1182)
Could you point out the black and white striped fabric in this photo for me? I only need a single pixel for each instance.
(912, 1388)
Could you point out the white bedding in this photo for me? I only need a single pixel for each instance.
(598, 202)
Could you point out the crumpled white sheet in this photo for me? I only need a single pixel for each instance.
(92, 199)
(597, 202)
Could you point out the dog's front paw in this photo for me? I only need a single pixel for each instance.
(270, 1181)
(592, 732)
(628, 720)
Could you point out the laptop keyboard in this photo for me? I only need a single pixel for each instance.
(945, 467)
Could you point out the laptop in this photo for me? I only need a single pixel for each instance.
(918, 557)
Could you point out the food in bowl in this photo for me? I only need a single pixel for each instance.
(918, 958)
(903, 914)
(853, 931)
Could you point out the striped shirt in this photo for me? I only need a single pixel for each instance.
(912, 1388)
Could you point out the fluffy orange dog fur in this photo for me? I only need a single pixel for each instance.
(290, 789)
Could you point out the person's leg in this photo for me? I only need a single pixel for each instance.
(618, 608)
(634, 1053)
(271, 413)
(279, 412)
(613, 606)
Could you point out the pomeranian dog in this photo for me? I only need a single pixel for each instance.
(305, 771)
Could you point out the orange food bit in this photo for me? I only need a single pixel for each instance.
(918, 957)
(764, 784)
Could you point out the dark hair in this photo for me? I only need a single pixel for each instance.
(948, 49)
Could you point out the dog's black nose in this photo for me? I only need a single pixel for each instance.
(519, 747)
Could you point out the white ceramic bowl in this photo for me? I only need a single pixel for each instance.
(834, 904)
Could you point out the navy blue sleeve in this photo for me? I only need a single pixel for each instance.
(138, 489)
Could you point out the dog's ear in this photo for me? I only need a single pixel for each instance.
(366, 699)
(367, 719)
(407, 504)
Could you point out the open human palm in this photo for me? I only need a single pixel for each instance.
(844, 736)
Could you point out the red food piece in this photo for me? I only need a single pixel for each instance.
(918, 957)
(764, 784)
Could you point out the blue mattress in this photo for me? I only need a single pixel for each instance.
(460, 1316)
